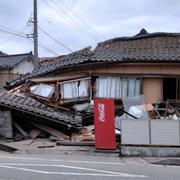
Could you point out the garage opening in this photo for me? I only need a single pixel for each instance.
(169, 88)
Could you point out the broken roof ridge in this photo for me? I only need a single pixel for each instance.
(143, 34)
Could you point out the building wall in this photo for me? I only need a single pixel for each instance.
(152, 89)
(23, 67)
(4, 76)
(151, 75)
(140, 69)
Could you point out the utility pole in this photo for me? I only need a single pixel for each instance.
(35, 33)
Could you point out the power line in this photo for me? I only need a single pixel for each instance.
(61, 44)
(22, 35)
(81, 19)
(3, 42)
(8, 32)
(75, 24)
(48, 50)
(45, 48)
(64, 33)
(73, 20)
(12, 30)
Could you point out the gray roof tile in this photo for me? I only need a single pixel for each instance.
(9, 61)
(29, 105)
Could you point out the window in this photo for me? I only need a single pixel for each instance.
(117, 87)
(75, 89)
(42, 90)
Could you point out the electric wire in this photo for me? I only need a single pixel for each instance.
(13, 33)
(61, 44)
(12, 30)
(45, 48)
(82, 20)
(74, 21)
(22, 35)
(68, 18)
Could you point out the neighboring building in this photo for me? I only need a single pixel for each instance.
(12, 66)
(2, 53)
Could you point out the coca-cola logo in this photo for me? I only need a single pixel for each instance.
(101, 110)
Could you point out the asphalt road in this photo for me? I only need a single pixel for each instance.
(80, 167)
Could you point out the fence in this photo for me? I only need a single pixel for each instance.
(154, 132)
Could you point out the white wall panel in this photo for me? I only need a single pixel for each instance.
(165, 132)
(135, 131)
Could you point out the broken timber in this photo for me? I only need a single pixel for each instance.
(51, 131)
(7, 148)
(21, 130)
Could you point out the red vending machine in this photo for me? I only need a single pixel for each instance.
(104, 124)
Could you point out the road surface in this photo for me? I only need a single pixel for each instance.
(80, 167)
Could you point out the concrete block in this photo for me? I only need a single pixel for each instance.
(150, 151)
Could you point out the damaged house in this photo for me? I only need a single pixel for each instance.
(63, 91)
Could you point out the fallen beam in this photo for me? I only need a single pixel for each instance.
(7, 148)
(51, 131)
(70, 143)
(21, 130)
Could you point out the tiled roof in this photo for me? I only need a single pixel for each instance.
(18, 81)
(144, 47)
(77, 57)
(2, 53)
(26, 104)
(47, 60)
(9, 61)
(74, 58)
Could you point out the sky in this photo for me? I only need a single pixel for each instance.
(70, 25)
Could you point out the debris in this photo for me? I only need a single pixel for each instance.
(21, 130)
(51, 131)
(18, 137)
(7, 148)
(35, 133)
(45, 146)
(70, 143)
(53, 139)
(81, 107)
(136, 108)
(83, 135)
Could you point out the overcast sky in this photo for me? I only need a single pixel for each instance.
(76, 24)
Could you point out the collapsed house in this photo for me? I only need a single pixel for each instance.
(63, 91)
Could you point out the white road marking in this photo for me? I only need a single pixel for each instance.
(64, 166)
(55, 160)
(77, 174)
